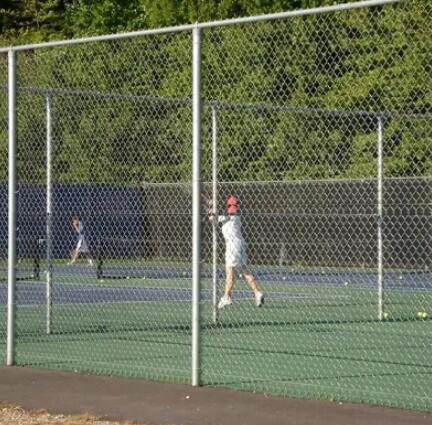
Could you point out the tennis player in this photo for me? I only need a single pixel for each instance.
(81, 246)
(235, 253)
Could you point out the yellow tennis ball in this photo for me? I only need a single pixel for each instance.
(386, 315)
(424, 315)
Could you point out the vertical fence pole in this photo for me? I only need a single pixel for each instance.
(12, 219)
(196, 191)
(215, 211)
(48, 211)
(379, 219)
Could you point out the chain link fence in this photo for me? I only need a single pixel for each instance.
(3, 202)
(319, 125)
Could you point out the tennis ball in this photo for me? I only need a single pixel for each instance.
(422, 315)
(127, 277)
(386, 315)
(346, 283)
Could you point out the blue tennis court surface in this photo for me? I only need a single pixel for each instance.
(78, 284)
(408, 279)
(34, 294)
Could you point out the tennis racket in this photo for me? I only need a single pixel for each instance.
(207, 204)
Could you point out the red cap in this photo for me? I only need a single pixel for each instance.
(232, 205)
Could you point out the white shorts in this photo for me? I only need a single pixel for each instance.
(82, 246)
(235, 255)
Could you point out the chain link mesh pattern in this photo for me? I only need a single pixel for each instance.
(116, 127)
(293, 112)
(301, 104)
(3, 200)
(312, 245)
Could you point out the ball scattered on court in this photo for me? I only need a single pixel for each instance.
(386, 315)
(422, 315)
(346, 283)
(400, 277)
(283, 277)
(127, 277)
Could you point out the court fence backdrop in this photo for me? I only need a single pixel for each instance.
(319, 121)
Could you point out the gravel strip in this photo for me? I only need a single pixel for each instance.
(14, 415)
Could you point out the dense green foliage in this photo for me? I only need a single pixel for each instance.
(369, 60)
(33, 21)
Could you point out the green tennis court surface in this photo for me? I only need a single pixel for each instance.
(313, 338)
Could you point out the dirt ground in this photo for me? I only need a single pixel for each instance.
(15, 415)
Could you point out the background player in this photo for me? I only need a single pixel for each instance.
(81, 246)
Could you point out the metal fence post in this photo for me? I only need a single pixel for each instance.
(215, 210)
(379, 218)
(10, 347)
(48, 211)
(196, 191)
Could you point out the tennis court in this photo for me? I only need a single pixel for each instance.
(318, 327)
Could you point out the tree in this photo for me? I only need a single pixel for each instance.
(370, 60)
(32, 21)
(87, 17)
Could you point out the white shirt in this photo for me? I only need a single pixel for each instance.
(231, 228)
(80, 231)
(81, 242)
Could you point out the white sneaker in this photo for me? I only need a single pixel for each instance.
(224, 301)
(259, 298)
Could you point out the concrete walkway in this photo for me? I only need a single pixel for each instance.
(159, 403)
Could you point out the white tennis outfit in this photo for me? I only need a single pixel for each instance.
(81, 243)
(235, 255)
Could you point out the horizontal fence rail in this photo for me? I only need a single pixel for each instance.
(182, 28)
